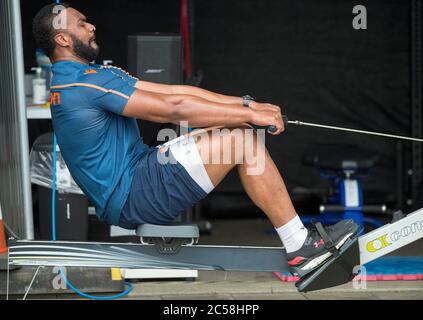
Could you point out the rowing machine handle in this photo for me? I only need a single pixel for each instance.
(272, 129)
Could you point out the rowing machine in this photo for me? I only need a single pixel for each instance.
(176, 247)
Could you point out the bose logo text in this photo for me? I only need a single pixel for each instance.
(154, 71)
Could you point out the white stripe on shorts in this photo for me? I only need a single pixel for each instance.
(185, 151)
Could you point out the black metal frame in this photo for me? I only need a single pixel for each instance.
(415, 172)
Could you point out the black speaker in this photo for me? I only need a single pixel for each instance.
(155, 57)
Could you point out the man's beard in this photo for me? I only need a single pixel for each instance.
(84, 51)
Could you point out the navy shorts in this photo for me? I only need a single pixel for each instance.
(160, 192)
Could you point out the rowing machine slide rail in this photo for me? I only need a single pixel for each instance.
(337, 270)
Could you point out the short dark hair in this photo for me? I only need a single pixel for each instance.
(42, 28)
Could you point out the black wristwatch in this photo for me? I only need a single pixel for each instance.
(246, 100)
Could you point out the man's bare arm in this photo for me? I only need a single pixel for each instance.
(173, 108)
(188, 90)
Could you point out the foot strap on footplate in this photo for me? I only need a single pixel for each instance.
(327, 240)
(335, 271)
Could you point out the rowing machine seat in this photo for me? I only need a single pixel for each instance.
(168, 239)
(168, 231)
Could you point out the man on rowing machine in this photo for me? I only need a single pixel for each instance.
(94, 110)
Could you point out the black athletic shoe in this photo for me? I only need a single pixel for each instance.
(316, 250)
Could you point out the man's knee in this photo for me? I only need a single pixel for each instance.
(248, 147)
(228, 145)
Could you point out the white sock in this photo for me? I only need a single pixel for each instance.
(292, 234)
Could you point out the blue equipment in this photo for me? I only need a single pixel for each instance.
(344, 166)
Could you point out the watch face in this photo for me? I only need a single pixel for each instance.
(246, 100)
